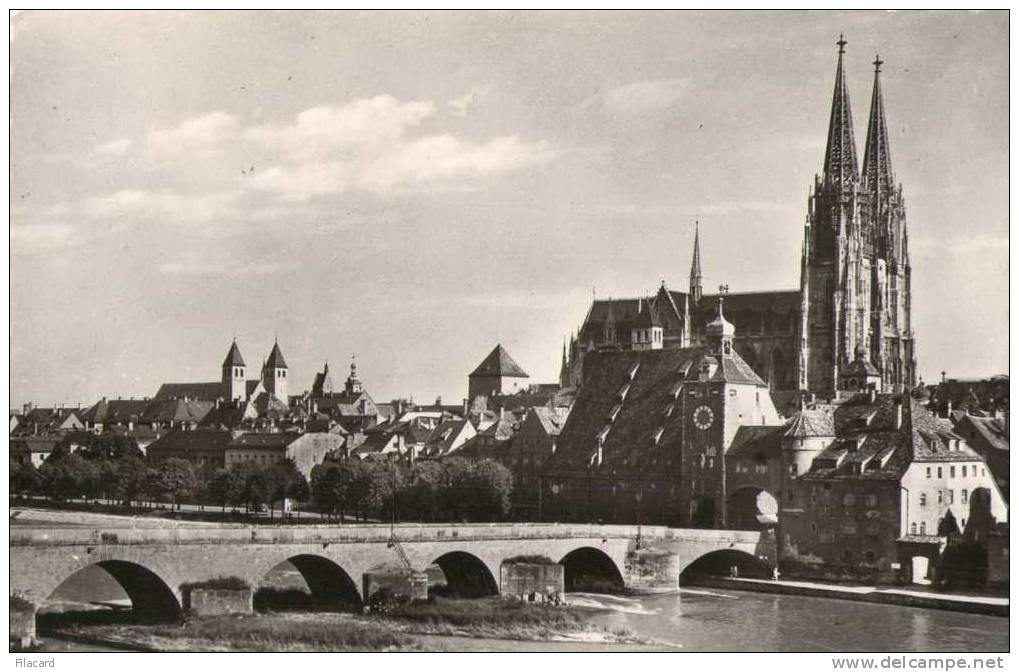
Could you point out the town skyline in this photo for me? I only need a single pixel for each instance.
(322, 217)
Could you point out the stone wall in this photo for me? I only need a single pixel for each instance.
(651, 570)
(218, 601)
(524, 578)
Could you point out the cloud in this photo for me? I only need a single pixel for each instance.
(366, 145)
(326, 130)
(459, 106)
(199, 135)
(647, 95)
(30, 238)
(115, 148)
(192, 264)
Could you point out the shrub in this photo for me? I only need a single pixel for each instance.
(529, 560)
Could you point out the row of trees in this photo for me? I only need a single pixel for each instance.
(453, 488)
(114, 468)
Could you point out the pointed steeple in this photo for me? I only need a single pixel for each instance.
(878, 177)
(695, 266)
(840, 166)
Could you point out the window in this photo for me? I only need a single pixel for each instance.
(939, 472)
(923, 528)
(847, 555)
(928, 472)
(951, 471)
(794, 468)
(849, 527)
(965, 496)
(964, 471)
(848, 499)
(941, 498)
(923, 499)
(790, 497)
(813, 528)
(871, 501)
(870, 556)
(951, 496)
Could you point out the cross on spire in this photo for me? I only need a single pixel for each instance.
(877, 63)
(842, 44)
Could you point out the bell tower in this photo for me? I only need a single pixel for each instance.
(233, 374)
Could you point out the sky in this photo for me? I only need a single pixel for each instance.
(413, 188)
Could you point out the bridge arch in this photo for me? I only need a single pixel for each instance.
(152, 597)
(751, 507)
(466, 575)
(589, 569)
(306, 581)
(721, 562)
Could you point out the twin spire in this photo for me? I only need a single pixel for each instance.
(840, 163)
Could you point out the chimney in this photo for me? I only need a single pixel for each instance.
(948, 409)
(898, 413)
(466, 406)
(943, 378)
(502, 412)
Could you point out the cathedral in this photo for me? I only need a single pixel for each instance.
(847, 326)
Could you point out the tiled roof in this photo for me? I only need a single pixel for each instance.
(812, 422)
(499, 363)
(203, 440)
(275, 360)
(652, 379)
(757, 441)
(203, 391)
(263, 440)
(177, 410)
(991, 430)
(116, 411)
(233, 356)
(501, 429)
(552, 419)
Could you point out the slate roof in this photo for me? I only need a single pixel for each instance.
(202, 391)
(991, 430)
(233, 356)
(43, 420)
(500, 430)
(499, 363)
(441, 440)
(275, 360)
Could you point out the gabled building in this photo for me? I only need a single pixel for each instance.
(203, 448)
(497, 375)
(266, 449)
(449, 437)
(868, 484)
(352, 407)
(988, 436)
(646, 438)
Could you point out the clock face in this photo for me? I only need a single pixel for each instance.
(703, 417)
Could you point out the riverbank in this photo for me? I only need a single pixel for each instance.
(972, 604)
(488, 624)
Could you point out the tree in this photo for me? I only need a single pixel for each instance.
(24, 478)
(110, 446)
(422, 494)
(326, 488)
(454, 490)
(66, 477)
(383, 483)
(226, 487)
(490, 485)
(175, 480)
(132, 477)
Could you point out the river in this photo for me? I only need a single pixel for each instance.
(699, 619)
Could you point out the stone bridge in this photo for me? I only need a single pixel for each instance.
(154, 565)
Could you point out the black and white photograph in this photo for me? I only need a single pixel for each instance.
(509, 331)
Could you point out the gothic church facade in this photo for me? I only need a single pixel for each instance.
(850, 320)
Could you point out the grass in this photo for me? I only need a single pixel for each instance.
(402, 629)
(254, 633)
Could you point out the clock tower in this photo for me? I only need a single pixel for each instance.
(720, 392)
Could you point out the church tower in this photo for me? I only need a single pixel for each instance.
(696, 289)
(854, 279)
(233, 374)
(274, 374)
